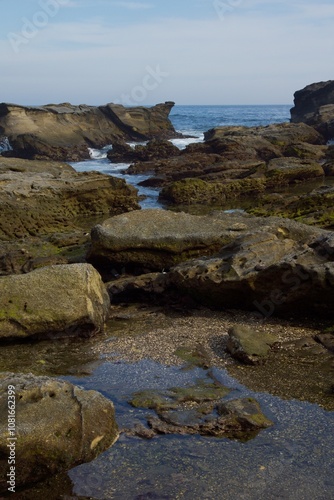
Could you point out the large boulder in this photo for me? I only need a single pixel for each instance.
(158, 239)
(65, 132)
(39, 197)
(314, 105)
(155, 239)
(51, 301)
(54, 426)
(268, 272)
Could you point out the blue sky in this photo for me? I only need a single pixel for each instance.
(149, 51)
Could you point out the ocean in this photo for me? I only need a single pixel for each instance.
(195, 120)
(190, 121)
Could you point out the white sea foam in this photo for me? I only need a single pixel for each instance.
(99, 154)
(5, 144)
(183, 143)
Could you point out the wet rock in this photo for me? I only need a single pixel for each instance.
(153, 150)
(249, 346)
(203, 391)
(279, 136)
(314, 105)
(314, 207)
(53, 301)
(58, 426)
(245, 411)
(121, 152)
(38, 198)
(65, 132)
(196, 191)
(199, 409)
(237, 419)
(329, 168)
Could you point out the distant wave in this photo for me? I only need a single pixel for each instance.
(5, 144)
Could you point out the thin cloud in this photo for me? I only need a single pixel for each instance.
(133, 5)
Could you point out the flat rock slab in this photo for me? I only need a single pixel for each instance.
(41, 197)
(249, 346)
(58, 426)
(158, 239)
(51, 301)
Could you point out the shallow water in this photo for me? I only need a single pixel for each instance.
(291, 460)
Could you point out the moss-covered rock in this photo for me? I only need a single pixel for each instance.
(58, 426)
(289, 170)
(248, 345)
(54, 300)
(197, 191)
(39, 198)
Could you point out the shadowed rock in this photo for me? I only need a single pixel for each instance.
(314, 105)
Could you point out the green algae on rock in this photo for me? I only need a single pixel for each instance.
(54, 300)
(248, 345)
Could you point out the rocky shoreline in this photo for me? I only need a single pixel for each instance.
(205, 267)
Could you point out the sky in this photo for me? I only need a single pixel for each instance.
(149, 51)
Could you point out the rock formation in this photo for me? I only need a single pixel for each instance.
(65, 132)
(58, 426)
(68, 300)
(314, 105)
(38, 198)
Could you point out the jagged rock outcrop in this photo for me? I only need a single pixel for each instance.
(314, 105)
(58, 426)
(63, 300)
(38, 198)
(65, 132)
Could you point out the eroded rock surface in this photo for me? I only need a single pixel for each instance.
(65, 132)
(58, 426)
(38, 198)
